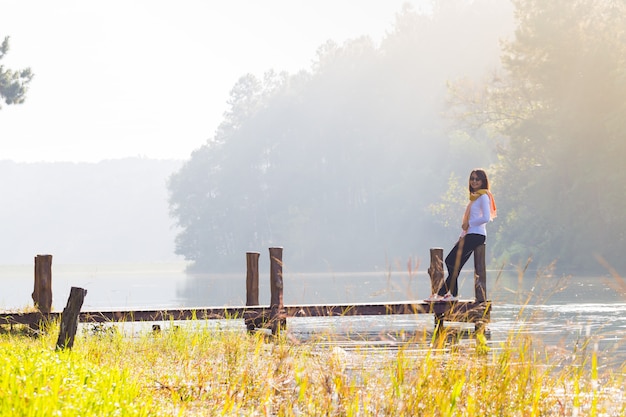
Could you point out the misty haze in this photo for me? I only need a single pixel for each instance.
(360, 162)
(87, 213)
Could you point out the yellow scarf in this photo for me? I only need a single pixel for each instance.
(492, 202)
(474, 196)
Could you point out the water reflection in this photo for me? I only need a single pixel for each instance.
(302, 288)
(564, 311)
(148, 286)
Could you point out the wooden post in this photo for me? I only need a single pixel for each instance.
(480, 274)
(42, 293)
(69, 318)
(480, 287)
(252, 288)
(436, 269)
(252, 278)
(277, 308)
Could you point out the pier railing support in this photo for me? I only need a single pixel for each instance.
(480, 274)
(278, 319)
(436, 270)
(251, 318)
(478, 317)
(480, 286)
(273, 316)
(42, 293)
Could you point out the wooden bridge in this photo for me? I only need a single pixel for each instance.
(273, 316)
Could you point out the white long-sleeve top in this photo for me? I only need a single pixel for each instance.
(479, 215)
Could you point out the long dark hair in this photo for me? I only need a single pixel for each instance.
(483, 176)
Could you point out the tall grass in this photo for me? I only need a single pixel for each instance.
(198, 370)
(37, 380)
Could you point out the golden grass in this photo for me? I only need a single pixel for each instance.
(199, 370)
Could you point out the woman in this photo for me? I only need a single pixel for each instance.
(480, 210)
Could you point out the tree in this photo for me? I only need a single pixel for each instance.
(556, 110)
(13, 83)
(339, 164)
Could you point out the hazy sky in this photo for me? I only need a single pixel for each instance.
(150, 77)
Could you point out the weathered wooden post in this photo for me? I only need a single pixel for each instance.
(251, 318)
(480, 288)
(69, 318)
(277, 309)
(42, 293)
(435, 270)
(480, 274)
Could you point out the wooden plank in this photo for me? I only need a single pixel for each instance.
(30, 318)
(463, 310)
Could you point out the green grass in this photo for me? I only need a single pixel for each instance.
(36, 380)
(203, 371)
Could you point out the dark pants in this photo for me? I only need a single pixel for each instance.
(457, 257)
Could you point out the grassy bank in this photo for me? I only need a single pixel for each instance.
(207, 372)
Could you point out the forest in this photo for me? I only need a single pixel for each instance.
(361, 161)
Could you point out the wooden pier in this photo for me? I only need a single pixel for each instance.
(274, 316)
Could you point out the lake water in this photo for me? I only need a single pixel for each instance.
(562, 311)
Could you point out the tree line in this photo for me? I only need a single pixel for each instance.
(361, 162)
